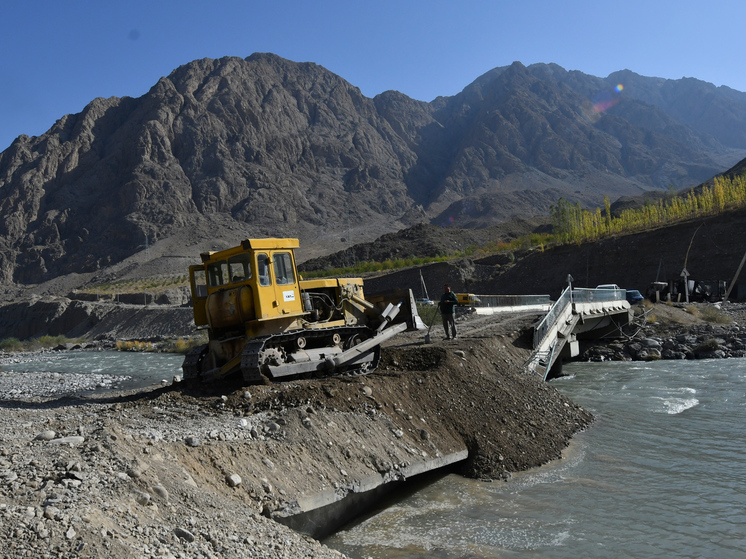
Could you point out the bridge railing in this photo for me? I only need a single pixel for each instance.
(583, 295)
(512, 300)
(552, 316)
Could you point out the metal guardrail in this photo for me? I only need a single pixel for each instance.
(512, 300)
(582, 295)
(552, 316)
(569, 297)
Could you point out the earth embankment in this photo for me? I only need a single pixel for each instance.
(198, 470)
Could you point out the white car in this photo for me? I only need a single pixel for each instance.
(608, 286)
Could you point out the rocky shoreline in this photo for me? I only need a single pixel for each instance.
(677, 331)
(33, 375)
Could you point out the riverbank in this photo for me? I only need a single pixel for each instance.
(676, 331)
(201, 472)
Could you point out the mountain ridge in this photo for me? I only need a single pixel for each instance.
(229, 148)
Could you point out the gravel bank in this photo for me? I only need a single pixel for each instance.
(186, 471)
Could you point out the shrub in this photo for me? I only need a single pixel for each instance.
(714, 314)
(183, 345)
(427, 313)
(134, 345)
(11, 345)
(34, 344)
(50, 341)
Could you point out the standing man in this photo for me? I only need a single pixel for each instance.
(447, 302)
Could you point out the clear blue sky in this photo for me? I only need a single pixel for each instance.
(57, 55)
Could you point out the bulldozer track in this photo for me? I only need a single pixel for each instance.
(254, 355)
(192, 362)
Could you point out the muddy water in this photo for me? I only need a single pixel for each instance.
(659, 474)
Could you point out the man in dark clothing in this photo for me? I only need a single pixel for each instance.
(447, 302)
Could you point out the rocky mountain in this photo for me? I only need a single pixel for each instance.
(226, 149)
(694, 103)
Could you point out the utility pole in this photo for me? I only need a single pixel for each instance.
(424, 287)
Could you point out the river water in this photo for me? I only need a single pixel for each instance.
(75, 372)
(660, 473)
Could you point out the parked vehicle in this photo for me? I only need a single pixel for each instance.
(467, 300)
(634, 296)
(699, 290)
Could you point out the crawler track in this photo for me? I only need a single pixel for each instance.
(290, 355)
(278, 356)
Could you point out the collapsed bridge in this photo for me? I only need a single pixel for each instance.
(584, 313)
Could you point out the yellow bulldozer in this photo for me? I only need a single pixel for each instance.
(263, 320)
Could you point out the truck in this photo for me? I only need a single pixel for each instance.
(467, 300)
(265, 322)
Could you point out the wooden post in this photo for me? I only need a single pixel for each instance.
(732, 283)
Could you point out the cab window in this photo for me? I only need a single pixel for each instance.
(283, 268)
(239, 267)
(200, 283)
(262, 269)
(217, 274)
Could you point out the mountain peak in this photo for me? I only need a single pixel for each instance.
(230, 148)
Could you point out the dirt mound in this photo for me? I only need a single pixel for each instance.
(473, 391)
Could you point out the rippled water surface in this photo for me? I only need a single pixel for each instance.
(132, 369)
(660, 473)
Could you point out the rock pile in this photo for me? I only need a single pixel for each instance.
(95, 480)
(674, 338)
(708, 345)
(53, 384)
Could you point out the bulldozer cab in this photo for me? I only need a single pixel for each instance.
(254, 281)
(278, 288)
